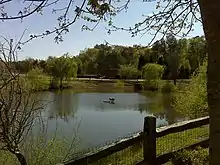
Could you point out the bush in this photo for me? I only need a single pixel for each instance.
(152, 72)
(152, 85)
(128, 71)
(37, 80)
(198, 156)
(191, 101)
(167, 87)
(119, 84)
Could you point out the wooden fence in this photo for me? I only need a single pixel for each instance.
(148, 137)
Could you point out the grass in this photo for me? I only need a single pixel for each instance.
(179, 140)
(53, 151)
(165, 144)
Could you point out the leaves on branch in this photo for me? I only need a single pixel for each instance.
(170, 16)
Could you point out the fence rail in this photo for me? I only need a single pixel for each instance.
(148, 137)
(182, 126)
(107, 150)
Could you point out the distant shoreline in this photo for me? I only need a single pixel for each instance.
(86, 84)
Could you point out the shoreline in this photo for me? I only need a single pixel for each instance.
(103, 85)
(84, 85)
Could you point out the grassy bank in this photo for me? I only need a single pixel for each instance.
(91, 86)
(43, 83)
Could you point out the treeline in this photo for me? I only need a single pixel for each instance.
(180, 58)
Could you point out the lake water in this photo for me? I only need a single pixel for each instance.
(95, 122)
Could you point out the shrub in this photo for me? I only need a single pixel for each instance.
(37, 80)
(128, 71)
(152, 85)
(191, 101)
(119, 84)
(167, 87)
(152, 72)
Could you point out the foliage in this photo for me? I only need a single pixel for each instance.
(180, 58)
(173, 16)
(18, 106)
(37, 79)
(192, 100)
(62, 67)
(167, 87)
(119, 84)
(152, 85)
(152, 72)
(128, 71)
(173, 56)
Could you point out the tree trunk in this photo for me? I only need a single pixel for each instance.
(21, 158)
(174, 81)
(61, 83)
(210, 12)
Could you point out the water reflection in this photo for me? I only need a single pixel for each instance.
(160, 105)
(65, 105)
(101, 122)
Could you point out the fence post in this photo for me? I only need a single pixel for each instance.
(149, 145)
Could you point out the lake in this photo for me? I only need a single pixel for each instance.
(96, 122)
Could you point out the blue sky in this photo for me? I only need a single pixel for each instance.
(76, 40)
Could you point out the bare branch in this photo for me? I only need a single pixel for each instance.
(5, 16)
(60, 30)
(175, 17)
(4, 1)
(18, 108)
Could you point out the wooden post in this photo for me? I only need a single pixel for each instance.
(150, 140)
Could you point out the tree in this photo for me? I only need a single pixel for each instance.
(184, 64)
(36, 79)
(196, 52)
(62, 67)
(211, 24)
(106, 60)
(128, 71)
(18, 108)
(144, 57)
(178, 16)
(88, 58)
(193, 103)
(92, 11)
(171, 16)
(173, 56)
(152, 71)
(79, 65)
